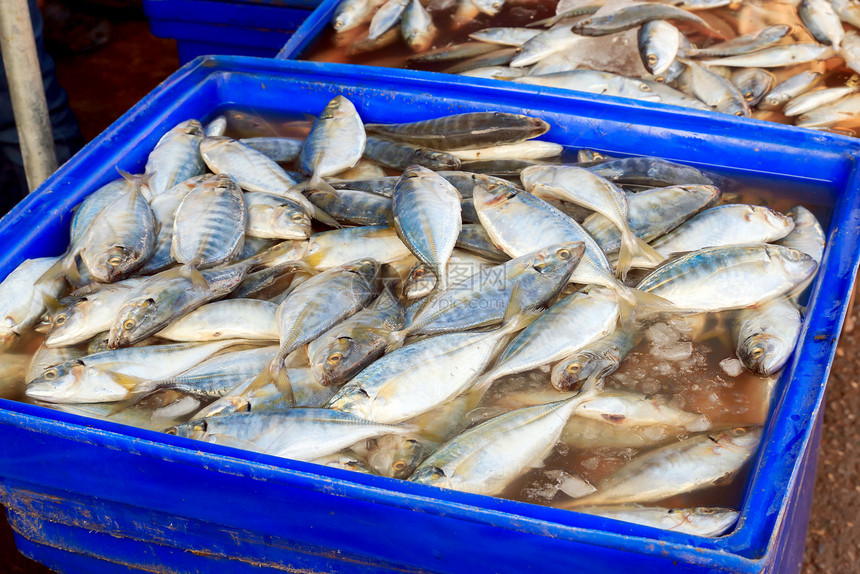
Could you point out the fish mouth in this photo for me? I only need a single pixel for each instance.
(42, 392)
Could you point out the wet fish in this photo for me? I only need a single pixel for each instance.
(753, 83)
(632, 15)
(789, 89)
(336, 142)
(210, 224)
(826, 116)
(555, 40)
(176, 157)
(333, 248)
(595, 361)
(393, 455)
(248, 319)
(46, 357)
(417, 27)
(848, 11)
(341, 352)
(807, 235)
(776, 56)
(299, 433)
(624, 408)
(464, 131)
(486, 458)
(653, 172)
(722, 278)
(279, 149)
(811, 101)
(455, 52)
(742, 44)
(401, 156)
(353, 13)
(659, 42)
(421, 280)
(88, 209)
(821, 20)
(505, 36)
(678, 468)
(699, 521)
(731, 224)
(473, 237)
(369, 45)
(426, 210)
(22, 297)
(217, 127)
(766, 336)
(354, 207)
(717, 91)
(653, 213)
(386, 17)
(499, 57)
(584, 188)
(274, 217)
(494, 72)
(532, 149)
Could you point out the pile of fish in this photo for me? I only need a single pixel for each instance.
(449, 327)
(790, 62)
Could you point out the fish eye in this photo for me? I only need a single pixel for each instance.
(739, 113)
(50, 374)
(338, 23)
(652, 59)
(707, 510)
(114, 260)
(129, 324)
(399, 465)
(645, 87)
(563, 253)
(297, 217)
(172, 430)
(739, 431)
(200, 426)
(573, 368)
(586, 22)
(418, 273)
(757, 352)
(335, 358)
(60, 320)
(326, 116)
(660, 79)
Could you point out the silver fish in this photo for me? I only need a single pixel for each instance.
(753, 83)
(462, 264)
(499, 57)
(789, 89)
(88, 209)
(473, 237)
(594, 361)
(555, 40)
(22, 297)
(217, 127)
(699, 521)
(393, 455)
(210, 224)
(742, 44)
(248, 319)
(632, 15)
(659, 42)
(353, 13)
(717, 91)
(813, 100)
(821, 20)
(776, 56)
(532, 149)
(455, 52)
(279, 149)
(649, 171)
(848, 11)
(417, 27)
(386, 17)
(333, 248)
(336, 141)
(679, 468)
(354, 207)
(505, 36)
(176, 157)
(274, 217)
(826, 116)
(402, 156)
(722, 278)
(426, 211)
(624, 408)
(300, 433)
(807, 235)
(766, 336)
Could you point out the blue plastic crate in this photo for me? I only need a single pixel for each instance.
(227, 27)
(87, 496)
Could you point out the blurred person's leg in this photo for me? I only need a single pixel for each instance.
(67, 136)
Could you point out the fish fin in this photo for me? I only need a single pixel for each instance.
(633, 302)
(258, 383)
(130, 382)
(631, 247)
(126, 176)
(314, 259)
(52, 304)
(394, 340)
(192, 274)
(279, 375)
(231, 441)
(316, 184)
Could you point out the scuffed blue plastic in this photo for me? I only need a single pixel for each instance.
(86, 495)
(227, 27)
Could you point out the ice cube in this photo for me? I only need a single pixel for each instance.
(732, 367)
(573, 486)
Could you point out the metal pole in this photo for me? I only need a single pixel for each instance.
(24, 76)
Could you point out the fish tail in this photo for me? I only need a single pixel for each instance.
(633, 247)
(633, 303)
(314, 184)
(279, 376)
(394, 340)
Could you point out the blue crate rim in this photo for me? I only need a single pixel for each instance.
(206, 69)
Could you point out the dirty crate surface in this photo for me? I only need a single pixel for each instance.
(86, 495)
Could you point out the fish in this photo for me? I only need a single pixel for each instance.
(335, 144)
(248, 319)
(23, 296)
(821, 20)
(728, 224)
(386, 17)
(464, 131)
(402, 156)
(753, 83)
(557, 39)
(566, 327)
(699, 521)
(421, 280)
(678, 468)
(789, 89)
(632, 15)
(659, 42)
(278, 149)
(426, 213)
(743, 44)
(354, 207)
(505, 36)
(175, 158)
(275, 217)
(473, 237)
(531, 149)
(341, 352)
(353, 13)
(848, 11)
(716, 90)
(417, 27)
(494, 72)
(653, 213)
(807, 235)
(209, 228)
(330, 249)
(584, 188)
(594, 361)
(776, 56)
(217, 127)
(499, 57)
(649, 171)
(111, 376)
(635, 410)
(89, 208)
(393, 455)
(456, 52)
(370, 44)
(299, 433)
(734, 277)
(811, 101)
(825, 116)
(486, 458)
(766, 336)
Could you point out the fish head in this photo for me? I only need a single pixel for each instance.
(764, 353)
(292, 222)
(492, 193)
(420, 282)
(135, 317)
(394, 455)
(113, 264)
(70, 324)
(557, 262)
(8, 332)
(214, 143)
(571, 374)
(440, 159)
(430, 475)
(190, 127)
(795, 265)
(339, 107)
(773, 219)
(708, 518)
(195, 429)
(738, 439)
(60, 383)
(368, 269)
(352, 399)
(336, 361)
